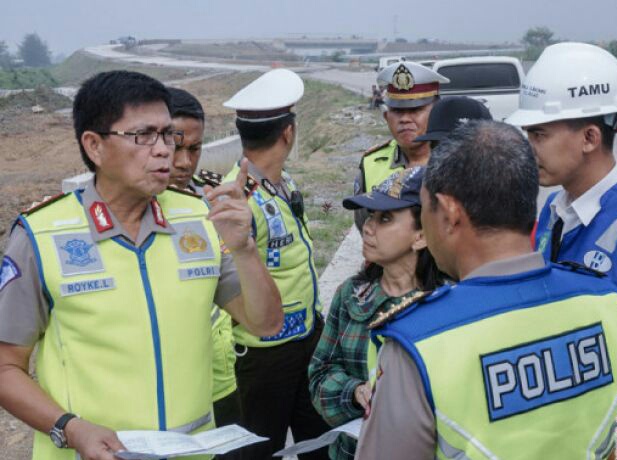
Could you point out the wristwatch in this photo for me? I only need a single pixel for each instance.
(57, 435)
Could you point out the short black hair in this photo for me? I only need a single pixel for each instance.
(263, 134)
(102, 99)
(607, 132)
(184, 104)
(490, 169)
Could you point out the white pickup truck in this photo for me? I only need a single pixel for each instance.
(493, 80)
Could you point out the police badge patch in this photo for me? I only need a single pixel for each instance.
(9, 271)
(77, 254)
(191, 242)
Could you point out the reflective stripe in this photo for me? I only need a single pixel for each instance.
(461, 431)
(450, 451)
(216, 312)
(608, 444)
(608, 239)
(192, 426)
(608, 418)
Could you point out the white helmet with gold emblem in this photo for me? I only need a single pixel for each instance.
(409, 85)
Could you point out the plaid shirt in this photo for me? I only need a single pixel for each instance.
(339, 363)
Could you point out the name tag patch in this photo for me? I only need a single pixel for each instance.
(77, 254)
(191, 242)
(528, 376)
(199, 272)
(293, 326)
(86, 286)
(277, 243)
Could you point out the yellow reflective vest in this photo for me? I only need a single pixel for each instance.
(376, 165)
(517, 367)
(286, 248)
(128, 344)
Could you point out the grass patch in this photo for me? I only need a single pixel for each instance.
(328, 230)
(26, 78)
(320, 101)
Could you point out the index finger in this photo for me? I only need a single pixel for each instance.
(243, 174)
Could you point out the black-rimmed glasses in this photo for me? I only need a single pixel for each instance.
(148, 137)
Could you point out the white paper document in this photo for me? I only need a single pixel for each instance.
(166, 444)
(350, 428)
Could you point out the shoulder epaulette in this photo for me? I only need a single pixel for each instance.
(210, 178)
(215, 179)
(580, 268)
(184, 191)
(376, 148)
(406, 302)
(198, 180)
(40, 205)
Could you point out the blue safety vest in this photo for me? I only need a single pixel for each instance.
(593, 245)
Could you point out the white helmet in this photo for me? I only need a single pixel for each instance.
(569, 80)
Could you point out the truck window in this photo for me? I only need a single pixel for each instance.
(480, 76)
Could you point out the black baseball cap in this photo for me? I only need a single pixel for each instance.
(400, 190)
(450, 112)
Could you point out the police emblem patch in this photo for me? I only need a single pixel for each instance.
(402, 79)
(191, 242)
(9, 271)
(77, 254)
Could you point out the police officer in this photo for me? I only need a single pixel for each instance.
(272, 369)
(411, 90)
(115, 283)
(568, 106)
(187, 115)
(512, 362)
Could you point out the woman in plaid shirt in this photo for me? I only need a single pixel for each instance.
(398, 265)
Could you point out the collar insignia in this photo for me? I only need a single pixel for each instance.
(157, 212)
(269, 187)
(101, 217)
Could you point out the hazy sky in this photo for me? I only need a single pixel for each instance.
(68, 25)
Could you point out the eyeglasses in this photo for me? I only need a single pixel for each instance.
(147, 137)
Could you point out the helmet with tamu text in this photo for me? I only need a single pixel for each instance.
(568, 81)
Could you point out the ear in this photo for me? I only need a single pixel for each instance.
(452, 211)
(92, 144)
(592, 138)
(289, 133)
(420, 241)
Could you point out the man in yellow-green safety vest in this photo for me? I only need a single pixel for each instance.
(115, 282)
(272, 369)
(515, 360)
(187, 115)
(411, 90)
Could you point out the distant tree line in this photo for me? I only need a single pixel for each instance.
(538, 38)
(31, 52)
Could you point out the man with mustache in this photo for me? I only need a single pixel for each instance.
(411, 90)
